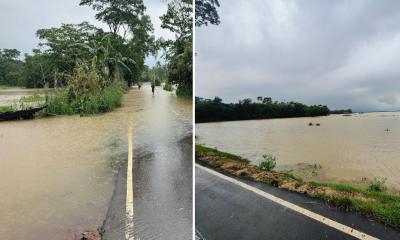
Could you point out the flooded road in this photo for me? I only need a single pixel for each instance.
(162, 174)
(344, 148)
(58, 175)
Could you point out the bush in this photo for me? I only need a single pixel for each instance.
(269, 162)
(377, 185)
(168, 86)
(184, 91)
(87, 92)
(63, 101)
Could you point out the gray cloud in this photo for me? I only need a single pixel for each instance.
(340, 53)
(20, 19)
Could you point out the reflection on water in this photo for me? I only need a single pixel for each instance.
(347, 147)
(57, 174)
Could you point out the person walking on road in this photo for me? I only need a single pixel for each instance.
(153, 86)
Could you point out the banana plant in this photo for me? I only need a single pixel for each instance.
(104, 57)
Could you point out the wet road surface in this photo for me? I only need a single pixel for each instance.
(225, 210)
(161, 174)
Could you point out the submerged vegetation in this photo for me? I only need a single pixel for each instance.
(370, 201)
(208, 110)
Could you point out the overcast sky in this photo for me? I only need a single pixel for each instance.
(345, 54)
(20, 19)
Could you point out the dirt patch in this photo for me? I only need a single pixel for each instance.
(85, 235)
(277, 179)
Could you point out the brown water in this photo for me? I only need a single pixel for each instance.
(347, 148)
(57, 174)
(13, 95)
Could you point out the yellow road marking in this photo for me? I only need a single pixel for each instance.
(324, 220)
(129, 190)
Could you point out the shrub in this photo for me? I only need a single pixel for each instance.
(184, 91)
(268, 163)
(87, 92)
(63, 101)
(377, 185)
(59, 103)
(168, 86)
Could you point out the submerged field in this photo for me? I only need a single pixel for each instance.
(10, 95)
(344, 149)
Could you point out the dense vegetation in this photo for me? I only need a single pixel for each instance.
(10, 67)
(91, 68)
(179, 53)
(208, 110)
(342, 111)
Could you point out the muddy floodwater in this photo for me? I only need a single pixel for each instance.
(13, 95)
(341, 149)
(58, 174)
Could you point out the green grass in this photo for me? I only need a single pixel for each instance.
(386, 212)
(344, 187)
(290, 174)
(200, 149)
(6, 109)
(4, 87)
(382, 206)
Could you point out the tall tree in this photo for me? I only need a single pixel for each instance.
(10, 67)
(127, 20)
(206, 12)
(118, 14)
(178, 19)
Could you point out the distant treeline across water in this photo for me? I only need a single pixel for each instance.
(213, 110)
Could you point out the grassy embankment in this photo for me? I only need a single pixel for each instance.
(370, 201)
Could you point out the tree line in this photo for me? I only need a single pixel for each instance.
(211, 110)
(118, 53)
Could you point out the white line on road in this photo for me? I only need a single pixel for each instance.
(129, 190)
(324, 220)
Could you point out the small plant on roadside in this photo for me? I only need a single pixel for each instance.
(268, 163)
(377, 185)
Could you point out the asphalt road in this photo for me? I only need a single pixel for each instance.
(225, 210)
(160, 197)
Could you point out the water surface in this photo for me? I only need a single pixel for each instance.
(344, 148)
(13, 95)
(58, 174)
